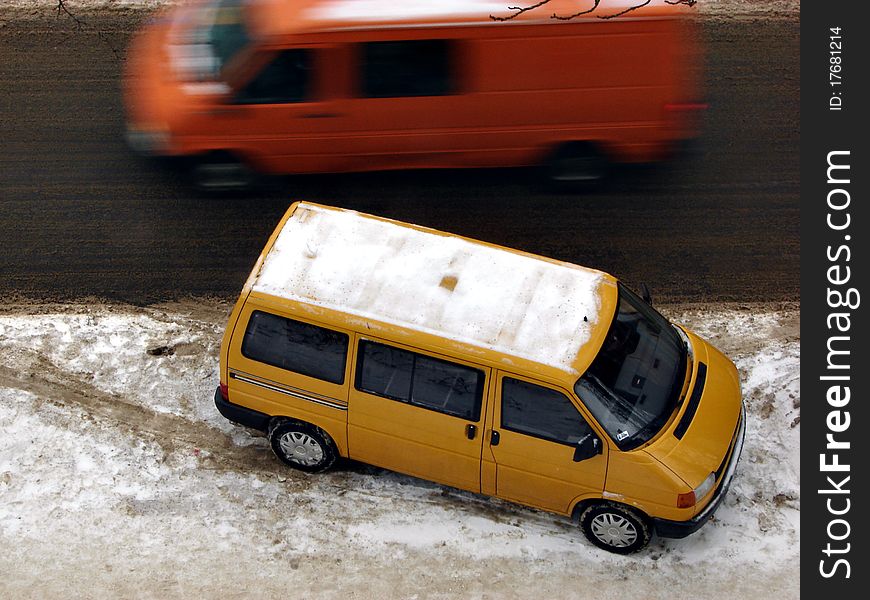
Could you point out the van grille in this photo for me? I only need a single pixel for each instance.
(694, 401)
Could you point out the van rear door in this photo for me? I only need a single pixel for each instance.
(417, 414)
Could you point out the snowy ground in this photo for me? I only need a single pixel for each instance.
(119, 478)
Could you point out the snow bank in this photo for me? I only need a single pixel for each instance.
(118, 478)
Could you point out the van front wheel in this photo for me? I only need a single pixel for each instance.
(302, 446)
(221, 172)
(615, 527)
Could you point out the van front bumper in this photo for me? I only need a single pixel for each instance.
(681, 529)
(239, 414)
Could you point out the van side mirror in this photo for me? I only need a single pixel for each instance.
(587, 447)
(644, 293)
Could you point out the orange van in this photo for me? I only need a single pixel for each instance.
(483, 368)
(307, 86)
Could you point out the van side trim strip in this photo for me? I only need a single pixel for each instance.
(271, 385)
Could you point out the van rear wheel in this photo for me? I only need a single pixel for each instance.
(615, 527)
(579, 163)
(302, 446)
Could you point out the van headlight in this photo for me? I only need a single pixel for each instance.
(690, 499)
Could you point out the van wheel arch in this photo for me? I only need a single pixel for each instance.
(614, 526)
(577, 163)
(317, 450)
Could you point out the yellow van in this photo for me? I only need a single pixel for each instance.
(483, 368)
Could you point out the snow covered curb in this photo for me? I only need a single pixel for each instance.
(118, 478)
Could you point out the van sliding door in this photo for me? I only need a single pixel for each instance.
(417, 414)
(410, 105)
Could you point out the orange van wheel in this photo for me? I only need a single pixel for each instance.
(221, 172)
(302, 446)
(615, 527)
(576, 163)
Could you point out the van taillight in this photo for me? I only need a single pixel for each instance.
(225, 391)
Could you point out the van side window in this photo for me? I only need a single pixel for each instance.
(420, 380)
(540, 412)
(406, 68)
(285, 80)
(295, 346)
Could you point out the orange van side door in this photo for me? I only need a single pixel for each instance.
(410, 108)
(417, 414)
(535, 429)
(289, 111)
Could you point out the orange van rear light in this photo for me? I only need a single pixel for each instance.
(225, 391)
(686, 106)
(686, 500)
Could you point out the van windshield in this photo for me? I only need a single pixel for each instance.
(633, 385)
(227, 33)
(214, 32)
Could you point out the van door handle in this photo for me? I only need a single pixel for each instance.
(470, 431)
(494, 438)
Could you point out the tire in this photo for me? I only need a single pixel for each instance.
(221, 173)
(615, 527)
(302, 446)
(576, 164)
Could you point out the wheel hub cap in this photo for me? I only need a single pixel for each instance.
(301, 448)
(614, 530)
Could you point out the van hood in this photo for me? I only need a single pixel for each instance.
(698, 440)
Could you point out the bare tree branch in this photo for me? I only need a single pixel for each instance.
(61, 8)
(627, 10)
(520, 10)
(577, 14)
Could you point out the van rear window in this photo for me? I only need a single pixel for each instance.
(406, 68)
(295, 346)
(420, 380)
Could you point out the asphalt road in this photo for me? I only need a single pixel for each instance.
(81, 217)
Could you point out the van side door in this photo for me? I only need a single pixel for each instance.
(287, 113)
(409, 105)
(532, 441)
(417, 413)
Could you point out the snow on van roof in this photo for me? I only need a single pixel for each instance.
(432, 282)
(379, 10)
